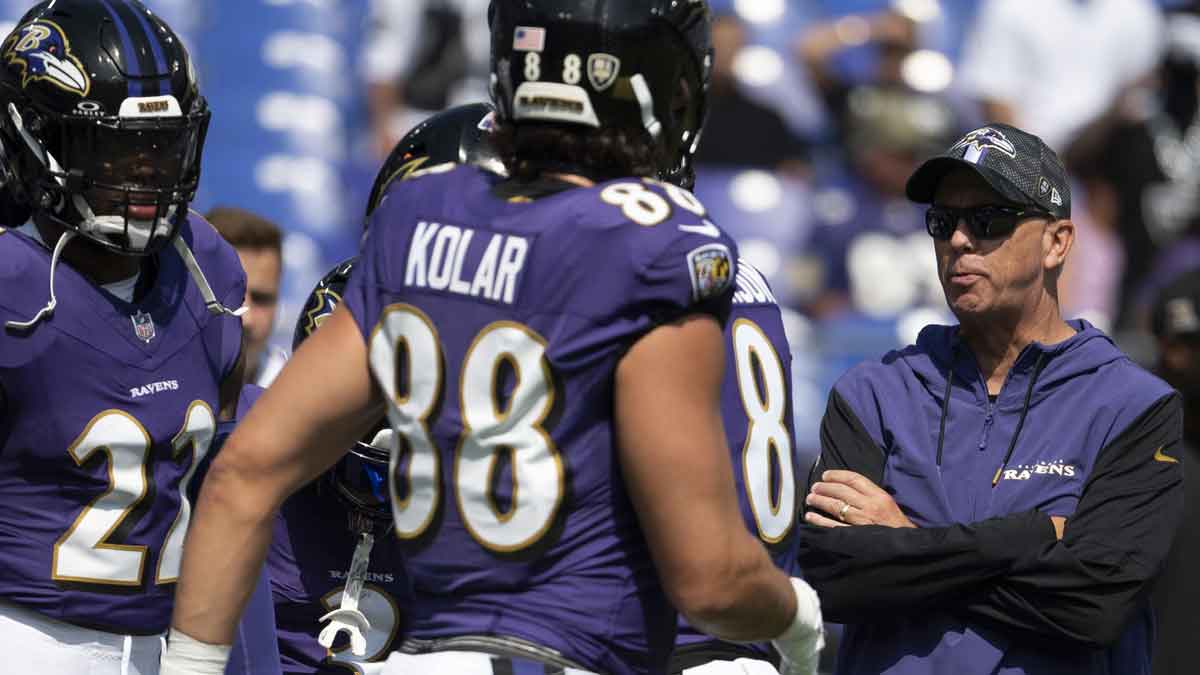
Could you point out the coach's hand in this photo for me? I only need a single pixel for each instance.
(848, 498)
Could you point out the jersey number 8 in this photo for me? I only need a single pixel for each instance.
(405, 354)
(767, 438)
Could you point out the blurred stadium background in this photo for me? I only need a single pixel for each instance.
(820, 109)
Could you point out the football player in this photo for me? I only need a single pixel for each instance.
(334, 564)
(117, 355)
(256, 649)
(461, 135)
(756, 406)
(549, 350)
(313, 574)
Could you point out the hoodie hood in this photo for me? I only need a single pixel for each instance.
(940, 350)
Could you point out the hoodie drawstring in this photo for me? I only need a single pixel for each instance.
(47, 311)
(946, 403)
(1037, 370)
(945, 411)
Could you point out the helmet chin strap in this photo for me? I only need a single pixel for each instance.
(348, 617)
(47, 311)
(99, 226)
(34, 145)
(93, 224)
(210, 299)
(646, 100)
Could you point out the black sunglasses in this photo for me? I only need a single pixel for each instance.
(984, 222)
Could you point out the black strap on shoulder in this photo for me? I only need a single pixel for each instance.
(694, 656)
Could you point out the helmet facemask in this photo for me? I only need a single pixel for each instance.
(688, 112)
(124, 182)
(360, 479)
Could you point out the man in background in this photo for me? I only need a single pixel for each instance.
(741, 131)
(1177, 326)
(1024, 470)
(259, 245)
(419, 57)
(1020, 57)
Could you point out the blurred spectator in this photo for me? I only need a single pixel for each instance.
(1053, 66)
(1139, 163)
(893, 35)
(260, 248)
(420, 57)
(863, 222)
(741, 131)
(1182, 256)
(1177, 326)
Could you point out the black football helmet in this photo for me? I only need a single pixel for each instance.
(360, 479)
(101, 121)
(459, 135)
(607, 63)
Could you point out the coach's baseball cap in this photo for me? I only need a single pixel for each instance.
(1177, 309)
(1018, 165)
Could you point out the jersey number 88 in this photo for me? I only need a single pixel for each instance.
(405, 338)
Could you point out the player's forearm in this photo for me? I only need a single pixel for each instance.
(223, 554)
(751, 601)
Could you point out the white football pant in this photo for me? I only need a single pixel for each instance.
(458, 663)
(32, 643)
(738, 667)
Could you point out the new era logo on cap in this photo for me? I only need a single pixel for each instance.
(1049, 192)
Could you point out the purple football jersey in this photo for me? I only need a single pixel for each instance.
(308, 565)
(255, 648)
(108, 406)
(756, 407)
(495, 325)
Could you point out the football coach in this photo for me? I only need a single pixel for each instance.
(997, 498)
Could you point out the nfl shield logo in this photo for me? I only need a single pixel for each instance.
(603, 70)
(143, 326)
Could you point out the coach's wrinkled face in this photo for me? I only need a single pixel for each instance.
(1004, 274)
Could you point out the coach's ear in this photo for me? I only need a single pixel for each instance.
(1058, 238)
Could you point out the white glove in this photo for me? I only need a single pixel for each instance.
(188, 656)
(801, 644)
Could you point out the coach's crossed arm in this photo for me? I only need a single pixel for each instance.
(1012, 571)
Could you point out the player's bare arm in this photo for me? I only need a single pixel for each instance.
(231, 386)
(327, 405)
(681, 483)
